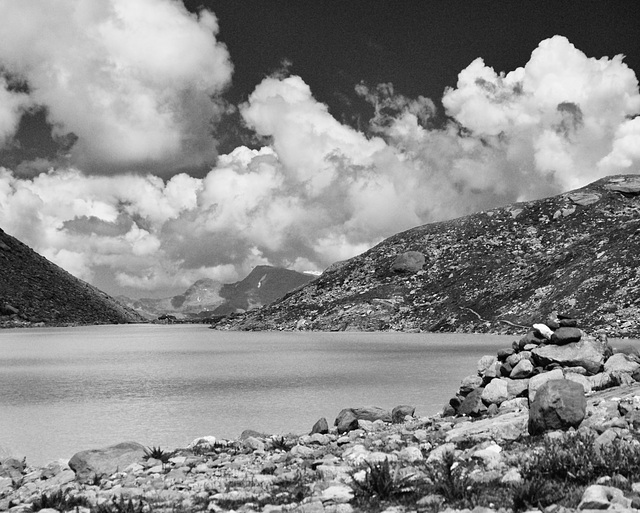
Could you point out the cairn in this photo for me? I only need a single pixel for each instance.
(556, 349)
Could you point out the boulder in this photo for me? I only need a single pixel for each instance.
(346, 421)
(399, 413)
(495, 392)
(543, 330)
(620, 362)
(321, 427)
(533, 337)
(372, 413)
(566, 335)
(536, 382)
(523, 369)
(472, 404)
(97, 463)
(588, 353)
(470, 383)
(558, 404)
(582, 380)
(410, 261)
(486, 363)
(584, 198)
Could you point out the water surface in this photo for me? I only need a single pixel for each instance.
(68, 389)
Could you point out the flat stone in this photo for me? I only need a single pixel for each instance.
(509, 426)
(97, 463)
(620, 362)
(588, 353)
(523, 369)
(566, 335)
(584, 198)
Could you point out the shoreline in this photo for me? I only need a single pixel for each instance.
(377, 460)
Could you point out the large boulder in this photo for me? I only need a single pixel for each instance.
(566, 335)
(408, 262)
(97, 463)
(347, 419)
(496, 392)
(588, 353)
(559, 404)
(472, 404)
(621, 362)
(537, 381)
(399, 413)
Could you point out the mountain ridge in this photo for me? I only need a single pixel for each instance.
(209, 298)
(35, 291)
(491, 271)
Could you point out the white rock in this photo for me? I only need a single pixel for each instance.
(337, 493)
(411, 454)
(495, 392)
(544, 330)
(203, 442)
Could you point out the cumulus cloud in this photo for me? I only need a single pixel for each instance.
(135, 80)
(12, 106)
(319, 191)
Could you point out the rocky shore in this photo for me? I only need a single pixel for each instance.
(550, 424)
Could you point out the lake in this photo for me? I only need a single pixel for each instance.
(67, 389)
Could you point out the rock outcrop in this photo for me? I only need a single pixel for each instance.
(490, 271)
(34, 291)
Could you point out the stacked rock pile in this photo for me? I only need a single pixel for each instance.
(554, 350)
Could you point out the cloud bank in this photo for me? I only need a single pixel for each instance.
(134, 80)
(319, 191)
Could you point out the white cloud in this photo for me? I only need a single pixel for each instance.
(12, 106)
(133, 79)
(320, 191)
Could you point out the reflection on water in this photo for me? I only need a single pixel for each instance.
(67, 389)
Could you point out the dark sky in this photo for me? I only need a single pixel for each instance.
(418, 46)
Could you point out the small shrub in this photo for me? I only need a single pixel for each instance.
(451, 480)
(59, 500)
(380, 483)
(157, 454)
(121, 506)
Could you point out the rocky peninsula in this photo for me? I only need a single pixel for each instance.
(549, 424)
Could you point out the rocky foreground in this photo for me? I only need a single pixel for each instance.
(551, 423)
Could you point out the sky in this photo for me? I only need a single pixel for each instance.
(146, 144)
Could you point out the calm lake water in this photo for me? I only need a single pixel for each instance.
(67, 389)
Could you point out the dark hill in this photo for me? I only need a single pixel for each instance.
(576, 253)
(34, 290)
(262, 286)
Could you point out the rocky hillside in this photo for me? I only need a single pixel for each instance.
(577, 253)
(35, 291)
(207, 297)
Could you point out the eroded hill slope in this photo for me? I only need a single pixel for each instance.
(577, 253)
(33, 290)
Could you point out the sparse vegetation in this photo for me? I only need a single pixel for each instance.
(59, 500)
